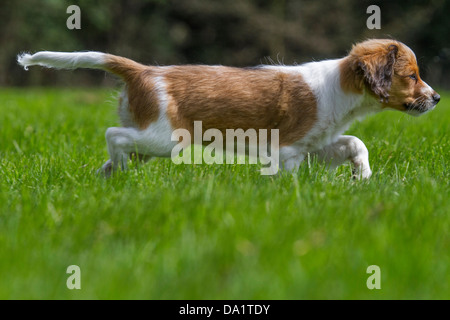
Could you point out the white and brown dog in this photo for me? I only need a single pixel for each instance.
(311, 104)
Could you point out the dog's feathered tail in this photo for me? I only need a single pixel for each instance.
(123, 67)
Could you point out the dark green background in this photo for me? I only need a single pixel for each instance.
(232, 32)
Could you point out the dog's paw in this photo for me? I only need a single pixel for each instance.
(361, 173)
(106, 170)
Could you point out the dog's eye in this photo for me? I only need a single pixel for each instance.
(413, 76)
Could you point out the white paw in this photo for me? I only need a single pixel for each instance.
(361, 173)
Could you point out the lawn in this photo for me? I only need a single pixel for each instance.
(166, 231)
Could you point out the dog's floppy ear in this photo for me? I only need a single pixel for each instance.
(377, 68)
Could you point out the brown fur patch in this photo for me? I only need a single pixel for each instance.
(231, 98)
(300, 110)
(351, 79)
(375, 59)
(142, 98)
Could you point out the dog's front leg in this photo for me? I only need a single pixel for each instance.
(290, 159)
(347, 148)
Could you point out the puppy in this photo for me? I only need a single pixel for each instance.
(311, 105)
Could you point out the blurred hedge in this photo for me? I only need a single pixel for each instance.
(228, 32)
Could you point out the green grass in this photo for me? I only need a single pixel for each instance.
(166, 231)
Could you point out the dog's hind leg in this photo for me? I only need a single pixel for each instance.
(121, 143)
(124, 143)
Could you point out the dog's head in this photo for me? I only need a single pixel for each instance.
(388, 70)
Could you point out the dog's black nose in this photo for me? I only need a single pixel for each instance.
(436, 97)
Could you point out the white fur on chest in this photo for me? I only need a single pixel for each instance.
(336, 110)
